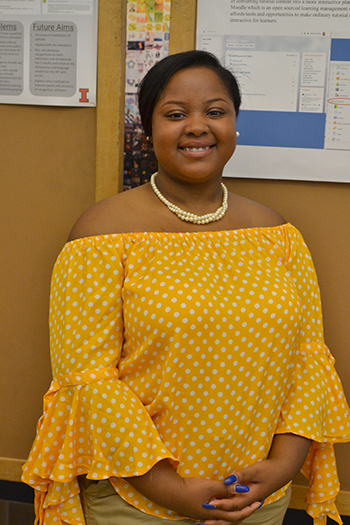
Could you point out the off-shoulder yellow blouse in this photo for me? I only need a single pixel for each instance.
(197, 347)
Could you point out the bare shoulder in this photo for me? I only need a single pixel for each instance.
(120, 213)
(265, 216)
(255, 215)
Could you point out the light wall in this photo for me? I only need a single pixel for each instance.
(54, 163)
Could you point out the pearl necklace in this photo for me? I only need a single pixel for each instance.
(191, 217)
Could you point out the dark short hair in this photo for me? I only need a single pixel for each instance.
(154, 82)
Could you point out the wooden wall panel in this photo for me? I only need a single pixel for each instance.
(111, 98)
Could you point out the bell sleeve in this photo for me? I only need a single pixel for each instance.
(315, 407)
(92, 422)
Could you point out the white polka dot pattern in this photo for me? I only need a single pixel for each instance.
(218, 341)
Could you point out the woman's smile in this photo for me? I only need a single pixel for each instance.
(197, 149)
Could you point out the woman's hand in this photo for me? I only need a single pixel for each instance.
(287, 455)
(240, 506)
(186, 496)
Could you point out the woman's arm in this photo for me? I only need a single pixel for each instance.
(288, 452)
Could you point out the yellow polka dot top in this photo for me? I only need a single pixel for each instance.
(197, 347)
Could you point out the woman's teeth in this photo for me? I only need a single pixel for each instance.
(197, 149)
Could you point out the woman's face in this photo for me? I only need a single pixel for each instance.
(194, 126)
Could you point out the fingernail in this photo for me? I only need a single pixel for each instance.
(242, 488)
(208, 506)
(230, 479)
(261, 504)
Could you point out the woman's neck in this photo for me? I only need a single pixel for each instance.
(199, 197)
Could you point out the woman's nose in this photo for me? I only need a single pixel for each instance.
(196, 124)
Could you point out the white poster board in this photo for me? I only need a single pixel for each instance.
(48, 52)
(292, 61)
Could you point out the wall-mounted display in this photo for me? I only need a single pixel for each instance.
(48, 52)
(292, 61)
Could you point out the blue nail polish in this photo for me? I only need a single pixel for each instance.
(208, 506)
(261, 504)
(230, 479)
(242, 488)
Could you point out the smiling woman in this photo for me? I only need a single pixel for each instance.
(184, 321)
(188, 105)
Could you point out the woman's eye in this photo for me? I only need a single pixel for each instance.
(176, 115)
(215, 112)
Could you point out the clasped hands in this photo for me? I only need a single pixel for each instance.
(227, 502)
(235, 499)
(210, 502)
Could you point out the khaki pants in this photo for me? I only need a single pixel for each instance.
(103, 506)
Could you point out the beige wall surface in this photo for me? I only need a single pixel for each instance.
(53, 163)
(47, 180)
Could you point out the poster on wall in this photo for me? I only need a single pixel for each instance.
(148, 24)
(48, 52)
(292, 62)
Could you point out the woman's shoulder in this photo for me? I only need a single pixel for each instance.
(116, 214)
(252, 214)
(136, 210)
